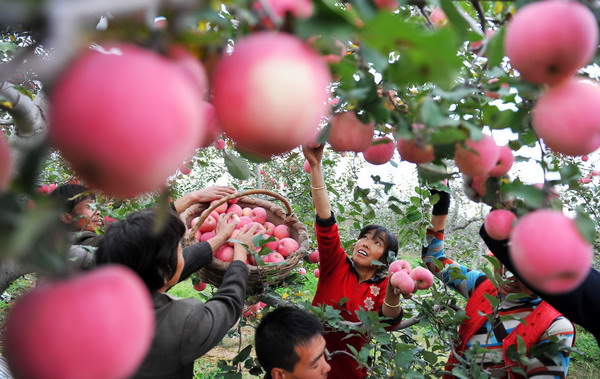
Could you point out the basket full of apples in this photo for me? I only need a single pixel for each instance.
(283, 244)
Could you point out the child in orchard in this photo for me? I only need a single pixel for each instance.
(185, 328)
(542, 322)
(355, 279)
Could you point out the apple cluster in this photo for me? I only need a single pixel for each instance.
(408, 280)
(278, 246)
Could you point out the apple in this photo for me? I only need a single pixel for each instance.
(281, 231)
(258, 214)
(225, 253)
(96, 325)
(389, 5)
(269, 227)
(306, 166)
(313, 257)
(505, 162)
(302, 271)
(213, 129)
(415, 151)
(297, 8)
(548, 41)
(438, 18)
(585, 180)
(198, 235)
(151, 121)
(317, 273)
(191, 69)
(550, 253)
(348, 133)
(273, 244)
(246, 211)
(274, 257)
(287, 246)
(208, 225)
(107, 220)
(194, 221)
(566, 117)
(234, 208)
(498, 223)
(233, 236)
(253, 310)
(477, 157)
(221, 208)
(475, 45)
(186, 168)
(244, 220)
(403, 282)
(380, 152)
(399, 265)
(584, 158)
(479, 184)
(423, 278)
(200, 286)
(248, 87)
(6, 163)
(219, 144)
(594, 173)
(206, 236)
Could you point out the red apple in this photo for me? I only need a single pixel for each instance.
(200, 286)
(287, 246)
(125, 140)
(258, 214)
(246, 211)
(244, 220)
(402, 281)
(550, 253)
(225, 253)
(477, 157)
(191, 68)
(269, 227)
(389, 5)
(585, 180)
(297, 8)
(185, 168)
(219, 144)
(97, 325)
(399, 265)
(317, 273)
(498, 223)
(281, 231)
(380, 152)
(548, 41)
(248, 88)
(213, 130)
(221, 208)
(438, 17)
(6, 163)
(505, 162)
(566, 117)
(348, 133)
(274, 257)
(208, 225)
(415, 151)
(234, 208)
(273, 244)
(206, 236)
(584, 158)
(306, 166)
(301, 271)
(313, 257)
(423, 278)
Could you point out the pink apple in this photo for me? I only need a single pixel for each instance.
(317, 273)
(219, 144)
(302, 271)
(548, 41)
(306, 166)
(287, 246)
(475, 45)
(585, 180)
(213, 129)
(584, 158)
(380, 152)
(246, 211)
(389, 5)
(313, 257)
(198, 235)
(477, 157)
(273, 244)
(269, 227)
(415, 151)
(6, 163)
(258, 214)
(549, 252)
(234, 208)
(275, 257)
(297, 8)
(566, 117)
(208, 225)
(505, 162)
(423, 278)
(244, 220)
(191, 68)
(498, 223)
(248, 88)
(348, 133)
(402, 281)
(206, 236)
(399, 265)
(225, 253)
(98, 127)
(194, 221)
(214, 214)
(438, 17)
(221, 208)
(114, 319)
(281, 231)
(185, 168)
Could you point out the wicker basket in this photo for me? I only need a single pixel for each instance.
(262, 276)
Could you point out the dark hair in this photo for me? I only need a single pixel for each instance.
(67, 196)
(278, 334)
(133, 242)
(391, 243)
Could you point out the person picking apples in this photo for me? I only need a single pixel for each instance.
(519, 313)
(357, 278)
(185, 328)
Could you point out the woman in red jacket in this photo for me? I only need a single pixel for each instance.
(349, 284)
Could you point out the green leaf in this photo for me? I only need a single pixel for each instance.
(586, 225)
(243, 355)
(432, 172)
(533, 197)
(494, 301)
(495, 48)
(430, 357)
(431, 114)
(404, 358)
(237, 167)
(457, 21)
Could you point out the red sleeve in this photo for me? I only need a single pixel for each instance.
(330, 248)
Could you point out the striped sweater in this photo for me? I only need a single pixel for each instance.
(490, 336)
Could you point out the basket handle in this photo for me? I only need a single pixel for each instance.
(236, 195)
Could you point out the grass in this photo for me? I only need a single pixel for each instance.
(586, 365)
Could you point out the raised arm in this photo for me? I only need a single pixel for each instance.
(320, 195)
(203, 195)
